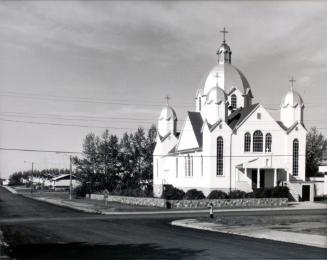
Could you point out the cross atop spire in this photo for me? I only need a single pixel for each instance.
(224, 32)
(292, 80)
(167, 99)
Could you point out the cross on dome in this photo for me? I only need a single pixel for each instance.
(217, 77)
(224, 32)
(292, 80)
(167, 99)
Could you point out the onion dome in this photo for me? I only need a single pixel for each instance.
(216, 95)
(292, 98)
(227, 77)
(167, 113)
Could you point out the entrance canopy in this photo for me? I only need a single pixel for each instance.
(264, 162)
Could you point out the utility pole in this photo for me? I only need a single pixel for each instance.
(70, 177)
(32, 163)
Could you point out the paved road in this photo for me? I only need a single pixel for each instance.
(39, 230)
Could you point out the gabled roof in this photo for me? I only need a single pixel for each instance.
(196, 122)
(237, 117)
(62, 177)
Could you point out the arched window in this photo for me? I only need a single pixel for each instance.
(247, 142)
(268, 142)
(295, 157)
(220, 156)
(257, 141)
(233, 100)
(199, 103)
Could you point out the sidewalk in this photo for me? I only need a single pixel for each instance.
(96, 206)
(256, 232)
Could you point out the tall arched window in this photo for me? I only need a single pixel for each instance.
(220, 156)
(257, 141)
(199, 103)
(295, 157)
(233, 100)
(268, 142)
(247, 142)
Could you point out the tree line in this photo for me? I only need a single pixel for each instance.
(120, 165)
(24, 177)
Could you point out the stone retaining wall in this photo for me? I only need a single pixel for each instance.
(150, 202)
(219, 203)
(229, 203)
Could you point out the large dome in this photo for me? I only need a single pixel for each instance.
(229, 77)
(292, 98)
(168, 113)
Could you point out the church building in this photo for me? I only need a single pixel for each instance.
(228, 142)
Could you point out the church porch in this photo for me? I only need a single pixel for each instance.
(261, 173)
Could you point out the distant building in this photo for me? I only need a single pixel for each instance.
(228, 142)
(62, 182)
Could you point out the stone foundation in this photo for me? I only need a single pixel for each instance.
(218, 203)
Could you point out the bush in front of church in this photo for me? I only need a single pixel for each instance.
(217, 194)
(237, 194)
(194, 194)
(171, 193)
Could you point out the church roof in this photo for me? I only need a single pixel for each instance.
(196, 122)
(239, 115)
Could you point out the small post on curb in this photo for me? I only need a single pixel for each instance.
(211, 210)
(105, 197)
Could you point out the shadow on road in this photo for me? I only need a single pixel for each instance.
(87, 251)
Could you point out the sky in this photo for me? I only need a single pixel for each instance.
(68, 68)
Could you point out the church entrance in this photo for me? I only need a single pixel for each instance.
(262, 178)
(254, 179)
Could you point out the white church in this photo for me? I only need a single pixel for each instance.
(229, 142)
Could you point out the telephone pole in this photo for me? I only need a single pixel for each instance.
(32, 163)
(70, 176)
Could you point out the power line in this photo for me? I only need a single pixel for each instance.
(119, 101)
(157, 155)
(101, 127)
(104, 119)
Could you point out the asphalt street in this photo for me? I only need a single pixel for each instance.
(37, 230)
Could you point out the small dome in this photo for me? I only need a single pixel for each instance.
(229, 77)
(216, 95)
(223, 48)
(292, 98)
(167, 113)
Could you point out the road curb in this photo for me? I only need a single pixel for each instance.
(13, 191)
(297, 238)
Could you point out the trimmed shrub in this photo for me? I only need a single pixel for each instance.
(171, 193)
(249, 195)
(194, 194)
(217, 194)
(237, 194)
(80, 191)
(280, 192)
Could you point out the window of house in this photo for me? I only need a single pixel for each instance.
(295, 157)
(257, 141)
(220, 156)
(234, 101)
(268, 142)
(258, 115)
(247, 142)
